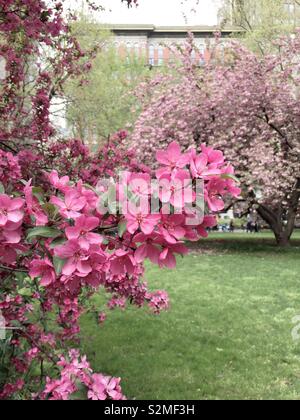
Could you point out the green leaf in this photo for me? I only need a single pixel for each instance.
(50, 209)
(57, 242)
(38, 192)
(25, 292)
(58, 265)
(122, 226)
(2, 190)
(44, 232)
(230, 176)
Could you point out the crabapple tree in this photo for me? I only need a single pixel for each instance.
(69, 228)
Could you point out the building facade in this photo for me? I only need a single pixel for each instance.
(153, 42)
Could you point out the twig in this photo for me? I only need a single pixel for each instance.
(12, 270)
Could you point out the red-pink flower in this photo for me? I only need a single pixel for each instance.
(33, 206)
(72, 204)
(104, 387)
(200, 167)
(60, 184)
(77, 258)
(147, 249)
(208, 222)
(44, 269)
(140, 184)
(171, 227)
(214, 191)
(82, 231)
(172, 159)
(167, 257)
(215, 158)
(11, 210)
(176, 190)
(122, 262)
(138, 217)
(231, 183)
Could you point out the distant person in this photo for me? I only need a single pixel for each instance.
(250, 227)
(231, 226)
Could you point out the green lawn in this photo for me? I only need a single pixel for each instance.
(227, 334)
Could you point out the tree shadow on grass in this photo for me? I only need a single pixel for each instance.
(247, 244)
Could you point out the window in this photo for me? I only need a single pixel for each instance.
(193, 56)
(151, 55)
(202, 55)
(160, 55)
(128, 51)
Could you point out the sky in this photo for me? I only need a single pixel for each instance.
(161, 12)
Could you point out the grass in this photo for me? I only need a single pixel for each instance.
(227, 334)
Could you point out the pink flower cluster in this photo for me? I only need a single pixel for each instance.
(11, 219)
(10, 171)
(76, 372)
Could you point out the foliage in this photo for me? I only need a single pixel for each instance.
(103, 103)
(262, 21)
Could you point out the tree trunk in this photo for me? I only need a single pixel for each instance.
(282, 239)
(283, 230)
(274, 220)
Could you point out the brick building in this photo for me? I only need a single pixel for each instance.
(153, 42)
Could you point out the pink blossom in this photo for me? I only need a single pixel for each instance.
(11, 210)
(77, 258)
(82, 231)
(172, 159)
(140, 184)
(44, 269)
(102, 317)
(176, 190)
(104, 387)
(122, 262)
(147, 248)
(72, 204)
(167, 257)
(12, 232)
(200, 167)
(60, 184)
(214, 157)
(213, 194)
(208, 222)
(139, 218)
(33, 206)
(158, 301)
(171, 227)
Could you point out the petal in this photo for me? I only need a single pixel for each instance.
(162, 157)
(16, 204)
(147, 227)
(174, 151)
(72, 232)
(141, 254)
(69, 268)
(15, 216)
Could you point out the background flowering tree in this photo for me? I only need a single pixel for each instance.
(248, 107)
(63, 235)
